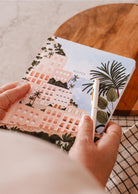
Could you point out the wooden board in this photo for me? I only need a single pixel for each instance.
(113, 28)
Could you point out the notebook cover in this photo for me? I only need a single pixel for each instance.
(61, 78)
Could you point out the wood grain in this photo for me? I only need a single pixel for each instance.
(112, 28)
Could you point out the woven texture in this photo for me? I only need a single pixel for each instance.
(123, 178)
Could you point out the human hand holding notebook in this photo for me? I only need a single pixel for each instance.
(9, 94)
(84, 147)
(61, 78)
(98, 158)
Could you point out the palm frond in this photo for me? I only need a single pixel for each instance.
(87, 86)
(122, 82)
(110, 76)
(91, 89)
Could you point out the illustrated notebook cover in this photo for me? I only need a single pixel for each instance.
(61, 78)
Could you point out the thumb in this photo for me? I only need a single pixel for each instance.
(10, 96)
(111, 140)
(85, 130)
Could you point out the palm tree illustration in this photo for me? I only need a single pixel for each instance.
(71, 86)
(50, 50)
(111, 76)
(25, 78)
(73, 103)
(34, 96)
(59, 50)
(74, 79)
(50, 54)
(31, 98)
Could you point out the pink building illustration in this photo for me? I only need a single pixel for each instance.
(60, 74)
(49, 68)
(58, 61)
(47, 65)
(47, 106)
(37, 77)
(40, 77)
(51, 121)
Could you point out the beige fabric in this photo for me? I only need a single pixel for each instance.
(31, 166)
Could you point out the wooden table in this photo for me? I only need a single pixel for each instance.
(113, 28)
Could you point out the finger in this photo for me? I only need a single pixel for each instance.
(85, 130)
(111, 140)
(10, 96)
(8, 86)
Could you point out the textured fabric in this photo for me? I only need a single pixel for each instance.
(29, 165)
(126, 122)
(123, 178)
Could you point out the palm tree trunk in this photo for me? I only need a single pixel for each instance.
(33, 101)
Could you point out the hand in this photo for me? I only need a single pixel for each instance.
(9, 94)
(99, 157)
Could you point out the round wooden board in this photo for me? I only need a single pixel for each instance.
(112, 28)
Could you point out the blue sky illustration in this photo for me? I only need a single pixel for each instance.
(81, 98)
(82, 59)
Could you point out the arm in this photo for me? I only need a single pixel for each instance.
(98, 158)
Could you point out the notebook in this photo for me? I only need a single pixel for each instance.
(61, 78)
